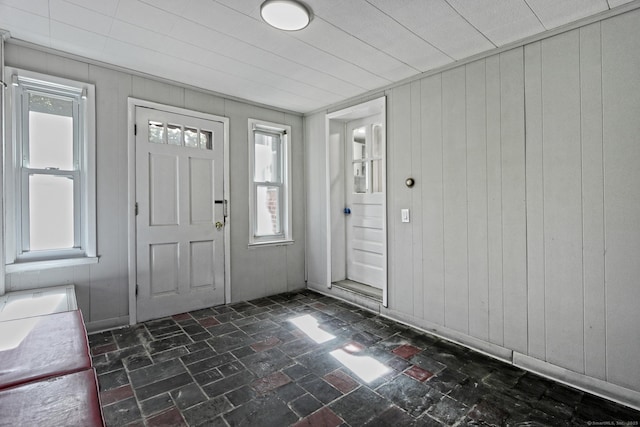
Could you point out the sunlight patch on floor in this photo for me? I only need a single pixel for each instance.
(309, 325)
(365, 367)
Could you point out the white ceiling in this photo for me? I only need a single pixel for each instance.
(350, 47)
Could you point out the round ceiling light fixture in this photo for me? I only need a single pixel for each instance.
(288, 15)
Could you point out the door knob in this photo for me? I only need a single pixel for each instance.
(219, 225)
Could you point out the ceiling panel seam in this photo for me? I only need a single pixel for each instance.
(412, 32)
(370, 45)
(115, 13)
(469, 22)
(535, 14)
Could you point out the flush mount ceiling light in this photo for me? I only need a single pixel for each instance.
(288, 15)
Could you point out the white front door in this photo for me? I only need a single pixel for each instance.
(365, 247)
(180, 213)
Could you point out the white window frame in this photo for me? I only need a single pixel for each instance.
(17, 256)
(285, 237)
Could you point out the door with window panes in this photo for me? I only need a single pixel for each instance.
(365, 201)
(180, 218)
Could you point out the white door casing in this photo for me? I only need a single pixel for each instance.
(365, 193)
(179, 176)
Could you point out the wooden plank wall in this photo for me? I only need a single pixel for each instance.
(525, 228)
(471, 200)
(315, 169)
(621, 134)
(525, 216)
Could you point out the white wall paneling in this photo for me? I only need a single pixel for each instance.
(317, 192)
(454, 166)
(477, 200)
(562, 192)
(525, 228)
(400, 254)
(109, 298)
(621, 130)
(494, 202)
(592, 201)
(514, 262)
(416, 199)
(536, 331)
(432, 199)
(294, 254)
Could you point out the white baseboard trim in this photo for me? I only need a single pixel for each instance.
(106, 324)
(489, 349)
(601, 388)
(604, 389)
(475, 344)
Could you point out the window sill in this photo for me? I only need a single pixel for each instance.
(19, 267)
(271, 243)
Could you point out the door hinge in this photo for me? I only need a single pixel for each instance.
(136, 209)
(136, 290)
(135, 129)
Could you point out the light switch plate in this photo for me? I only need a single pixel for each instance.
(404, 213)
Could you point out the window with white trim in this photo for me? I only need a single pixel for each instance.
(270, 189)
(50, 165)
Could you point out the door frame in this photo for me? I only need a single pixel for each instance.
(132, 103)
(341, 117)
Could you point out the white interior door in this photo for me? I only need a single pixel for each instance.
(364, 162)
(180, 213)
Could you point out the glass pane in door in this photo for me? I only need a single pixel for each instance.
(376, 176)
(360, 181)
(191, 137)
(174, 134)
(376, 149)
(206, 140)
(359, 143)
(156, 132)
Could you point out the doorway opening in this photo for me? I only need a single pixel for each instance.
(356, 171)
